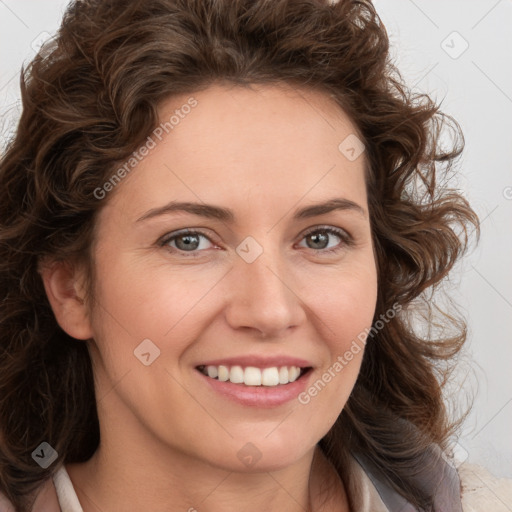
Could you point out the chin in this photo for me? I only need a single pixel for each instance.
(260, 454)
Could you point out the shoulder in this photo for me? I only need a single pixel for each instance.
(438, 478)
(45, 499)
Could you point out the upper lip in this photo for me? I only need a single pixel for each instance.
(258, 361)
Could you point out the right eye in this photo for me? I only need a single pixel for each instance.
(185, 241)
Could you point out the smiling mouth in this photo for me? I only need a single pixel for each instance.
(253, 376)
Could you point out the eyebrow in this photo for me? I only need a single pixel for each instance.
(227, 215)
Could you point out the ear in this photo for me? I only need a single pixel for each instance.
(64, 287)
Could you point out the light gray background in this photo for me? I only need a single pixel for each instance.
(475, 87)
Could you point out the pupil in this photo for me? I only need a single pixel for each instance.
(319, 238)
(188, 241)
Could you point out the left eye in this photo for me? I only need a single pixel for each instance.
(321, 236)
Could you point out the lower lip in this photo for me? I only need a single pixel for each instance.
(259, 396)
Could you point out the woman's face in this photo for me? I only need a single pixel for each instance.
(268, 278)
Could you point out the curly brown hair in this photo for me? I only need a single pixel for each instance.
(91, 97)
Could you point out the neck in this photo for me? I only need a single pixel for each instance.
(114, 482)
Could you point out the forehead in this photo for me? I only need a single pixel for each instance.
(270, 145)
(276, 120)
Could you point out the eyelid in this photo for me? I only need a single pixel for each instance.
(162, 241)
(327, 227)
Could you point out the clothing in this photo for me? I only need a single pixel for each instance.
(366, 491)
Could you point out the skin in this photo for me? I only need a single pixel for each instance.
(169, 442)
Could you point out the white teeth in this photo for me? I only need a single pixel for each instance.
(236, 375)
(283, 375)
(223, 373)
(270, 377)
(293, 373)
(252, 376)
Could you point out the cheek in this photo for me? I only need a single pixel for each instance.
(169, 306)
(345, 312)
(346, 303)
(147, 301)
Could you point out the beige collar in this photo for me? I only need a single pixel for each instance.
(362, 494)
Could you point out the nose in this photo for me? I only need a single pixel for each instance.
(263, 299)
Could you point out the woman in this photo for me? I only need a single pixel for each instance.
(218, 219)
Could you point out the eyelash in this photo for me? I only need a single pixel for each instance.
(346, 239)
